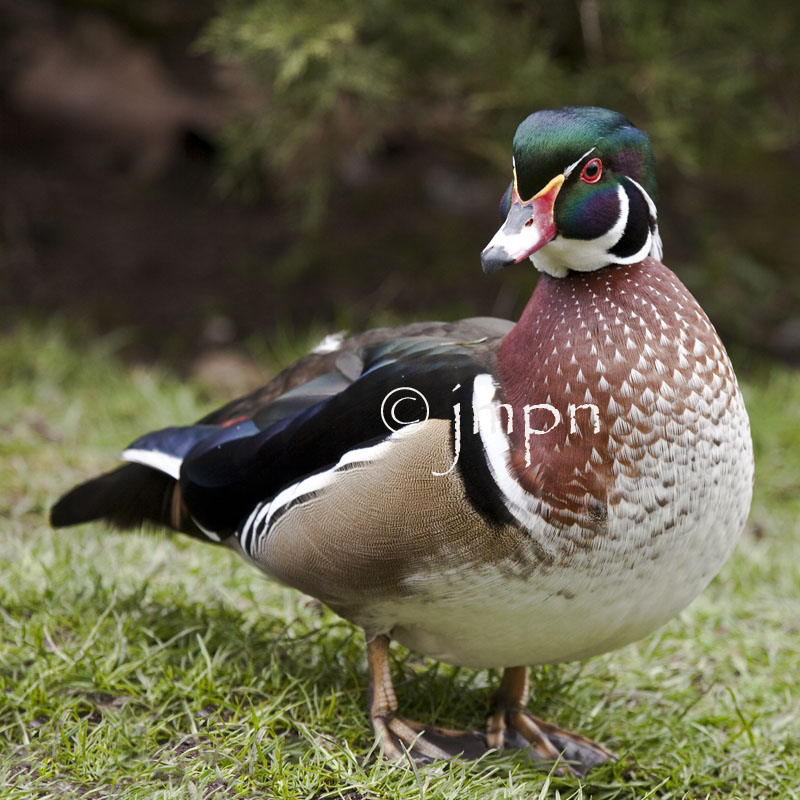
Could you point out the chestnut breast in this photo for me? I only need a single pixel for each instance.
(629, 354)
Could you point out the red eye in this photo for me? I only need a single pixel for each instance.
(592, 171)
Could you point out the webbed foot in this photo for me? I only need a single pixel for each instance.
(509, 726)
(400, 738)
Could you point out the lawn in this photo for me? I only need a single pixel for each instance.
(139, 666)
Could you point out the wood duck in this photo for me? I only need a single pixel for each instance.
(489, 494)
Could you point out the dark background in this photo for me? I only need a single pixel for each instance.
(206, 174)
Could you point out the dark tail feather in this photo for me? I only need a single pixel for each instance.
(128, 497)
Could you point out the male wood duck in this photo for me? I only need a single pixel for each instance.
(486, 493)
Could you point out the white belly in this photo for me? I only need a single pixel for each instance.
(486, 617)
(629, 582)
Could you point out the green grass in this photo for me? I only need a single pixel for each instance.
(139, 666)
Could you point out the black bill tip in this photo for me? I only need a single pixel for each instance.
(495, 258)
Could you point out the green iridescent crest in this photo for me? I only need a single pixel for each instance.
(548, 142)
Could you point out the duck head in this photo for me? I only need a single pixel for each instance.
(582, 195)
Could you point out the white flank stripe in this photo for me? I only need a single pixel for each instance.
(495, 446)
(263, 510)
(163, 462)
(314, 483)
(248, 528)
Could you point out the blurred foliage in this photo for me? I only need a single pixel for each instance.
(716, 86)
(707, 81)
(376, 137)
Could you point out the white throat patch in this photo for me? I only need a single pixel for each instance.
(561, 255)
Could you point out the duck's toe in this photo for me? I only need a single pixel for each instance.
(509, 726)
(400, 738)
(512, 726)
(521, 730)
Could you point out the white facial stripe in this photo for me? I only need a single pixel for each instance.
(641, 253)
(655, 249)
(574, 164)
(581, 255)
(617, 230)
(649, 200)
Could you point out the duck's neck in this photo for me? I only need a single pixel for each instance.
(569, 326)
(586, 349)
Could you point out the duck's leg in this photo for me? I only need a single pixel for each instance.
(511, 725)
(397, 735)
